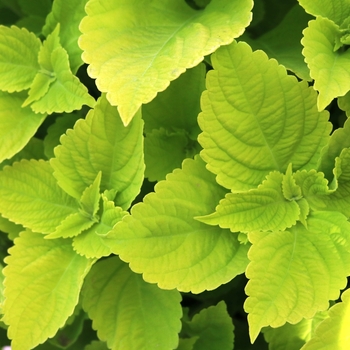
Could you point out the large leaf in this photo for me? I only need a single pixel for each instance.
(102, 143)
(293, 274)
(162, 240)
(218, 321)
(138, 316)
(330, 68)
(135, 54)
(68, 14)
(42, 286)
(333, 332)
(29, 195)
(17, 124)
(263, 209)
(283, 42)
(18, 58)
(335, 10)
(257, 119)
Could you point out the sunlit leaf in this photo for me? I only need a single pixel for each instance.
(162, 240)
(257, 119)
(42, 285)
(135, 54)
(139, 316)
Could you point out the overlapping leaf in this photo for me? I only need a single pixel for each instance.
(93, 243)
(263, 209)
(102, 143)
(18, 58)
(42, 285)
(68, 14)
(257, 119)
(135, 54)
(329, 68)
(215, 318)
(335, 10)
(333, 332)
(17, 125)
(139, 316)
(293, 274)
(286, 51)
(29, 195)
(162, 240)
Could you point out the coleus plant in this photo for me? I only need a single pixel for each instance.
(230, 122)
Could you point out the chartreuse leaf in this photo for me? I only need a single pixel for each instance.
(285, 284)
(139, 316)
(43, 279)
(68, 14)
(55, 88)
(90, 198)
(29, 195)
(144, 50)
(333, 332)
(102, 143)
(344, 103)
(92, 242)
(171, 126)
(96, 345)
(293, 337)
(335, 10)
(162, 240)
(18, 58)
(329, 67)
(286, 52)
(257, 119)
(10, 228)
(215, 318)
(17, 125)
(263, 209)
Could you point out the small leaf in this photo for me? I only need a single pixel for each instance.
(290, 189)
(29, 195)
(218, 321)
(263, 209)
(161, 230)
(93, 242)
(333, 332)
(68, 14)
(154, 46)
(285, 284)
(102, 143)
(96, 345)
(17, 125)
(330, 69)
(40, 288)
(255, 119)
(18, 58)
(90, 198)
(139, 316)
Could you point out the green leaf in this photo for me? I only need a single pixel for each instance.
(96, 345)
(91, 196)
(55, 88)
(330, 69)
(17, 125)
(333, 332)
(29, 195)
(68, 14)
(294, 273)
(213, 327)
(40, 288)
(263, 209)
(10, 228)
(335, 10)
(102, 143)
(135, 54)
(283, 42)
(344, 103)
(55, 131)
(290, 189)
(93, 243)
(139, 316)
(18, 58)
(257, 119)
(293, 337)
(165, 151)
(162, 240)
